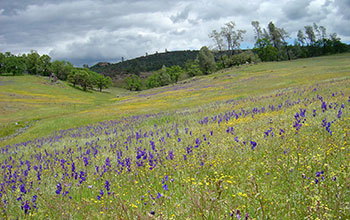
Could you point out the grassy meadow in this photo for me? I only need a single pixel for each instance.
(265, 141)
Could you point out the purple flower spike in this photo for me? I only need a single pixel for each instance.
(107, 186)
(59, 188)
(253, 144)
(165, 187)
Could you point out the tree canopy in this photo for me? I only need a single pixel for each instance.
(206, 60)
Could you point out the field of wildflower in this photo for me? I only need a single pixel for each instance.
(259, 142)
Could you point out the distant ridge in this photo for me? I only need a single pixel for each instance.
(147, 63)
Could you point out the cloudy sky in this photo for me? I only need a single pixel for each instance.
(89, 31)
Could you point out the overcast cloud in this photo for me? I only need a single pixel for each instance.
(89, 31)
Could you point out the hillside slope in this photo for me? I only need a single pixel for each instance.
(267, 141)
(27, 98)
(26, 101)
(147, 63)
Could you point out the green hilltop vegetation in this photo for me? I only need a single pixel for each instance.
(271, 44)
(146, 63)
(267, 140)
(162, 69)
(41, 65)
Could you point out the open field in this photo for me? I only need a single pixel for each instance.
(26, 99)
(266, 141)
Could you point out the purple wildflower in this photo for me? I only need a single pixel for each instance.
(26, 207)
(107, 186)
(253, 144)
(23, 189)
(59, 188)
(165, 187)
(171, 155)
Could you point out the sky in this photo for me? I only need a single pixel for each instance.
(91, 31)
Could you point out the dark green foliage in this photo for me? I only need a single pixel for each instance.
(61, 69)
(147, 63)
(174, 73)
(274, 47)
(206, 60)
(153, 81)
(164, 77)
(45, 67)
(2, 60)
(159, 78)
(94, 79)
(11, 64)
(238, 59)
(265, 50)
(72, 78)
(33, 63)
(102, 82)
(192, 68)
(89, 79)
(134, 83)
(80, 77)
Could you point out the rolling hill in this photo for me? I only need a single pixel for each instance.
(147, 63)
(264, 141)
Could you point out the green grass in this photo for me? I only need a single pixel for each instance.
(24, 99)
(291, 173)
(27, 98)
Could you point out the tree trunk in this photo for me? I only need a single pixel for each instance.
(288, 53)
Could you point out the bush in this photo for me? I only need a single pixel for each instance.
(239, 59)
(192, 68)
(133, 83)
(61, 69)
(206, 60)
(174, 72)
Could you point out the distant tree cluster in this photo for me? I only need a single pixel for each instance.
(228, 37)
(228, 47)
(134, 83)
(271, 43)
(245, 57)
(34, 64)
(148, 63)
(164, 76)
(203, 64)
(88, 79)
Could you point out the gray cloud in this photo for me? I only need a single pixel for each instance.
(343, 7)
(87, 31)
(296, 9)
(181, 16)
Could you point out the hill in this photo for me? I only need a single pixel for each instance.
(60, 106)
(33, 101)
(147, 63)
(265, 141)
